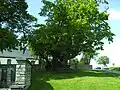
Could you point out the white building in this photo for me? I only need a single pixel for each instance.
(15, 70)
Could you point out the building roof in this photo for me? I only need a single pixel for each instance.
(15, 54)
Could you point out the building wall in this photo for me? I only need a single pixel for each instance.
(20, 74)
(4, 61)
(28, 75)
(23, 74)
(82, 67)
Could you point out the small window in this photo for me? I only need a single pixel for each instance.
(9, 61)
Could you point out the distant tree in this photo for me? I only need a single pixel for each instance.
(103, 60)
(87, 56)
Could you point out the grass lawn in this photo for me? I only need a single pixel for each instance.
(82, 80)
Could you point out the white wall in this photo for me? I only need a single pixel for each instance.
(4, 61)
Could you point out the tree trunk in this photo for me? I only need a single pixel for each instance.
(65, 60)
(54, 63)
(48, 66)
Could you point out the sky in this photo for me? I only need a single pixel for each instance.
(111, 50)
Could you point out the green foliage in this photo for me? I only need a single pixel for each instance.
(7, 40)
(103, 60)
(74, 62)
(14, 20)
(71, 27)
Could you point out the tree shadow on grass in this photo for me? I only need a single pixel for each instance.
(39, 83)
(66, 75)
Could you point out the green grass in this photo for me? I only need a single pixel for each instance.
(82, 80)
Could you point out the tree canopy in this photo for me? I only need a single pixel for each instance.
(71, 27)
(14, 20)
(103, 60)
